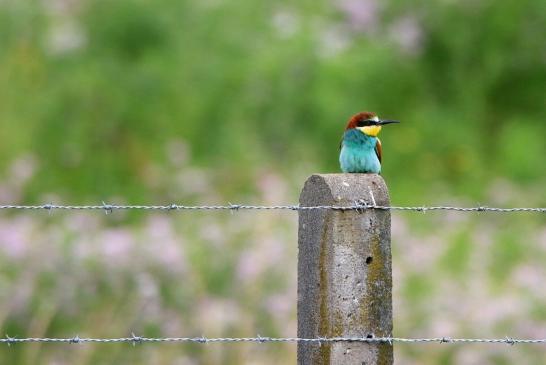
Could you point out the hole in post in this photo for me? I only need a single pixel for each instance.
(369, 260)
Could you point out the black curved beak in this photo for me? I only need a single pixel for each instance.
(383, 122)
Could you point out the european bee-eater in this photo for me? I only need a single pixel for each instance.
(360, 148)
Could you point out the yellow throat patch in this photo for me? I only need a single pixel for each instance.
(372, 130)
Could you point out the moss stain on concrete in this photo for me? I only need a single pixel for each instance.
(324, 329)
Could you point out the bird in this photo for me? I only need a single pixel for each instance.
(361, 150)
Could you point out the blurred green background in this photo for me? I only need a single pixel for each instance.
(154, 102)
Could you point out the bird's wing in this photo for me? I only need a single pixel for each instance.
(378, 150)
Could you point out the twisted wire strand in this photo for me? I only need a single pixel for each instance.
(109, 208)
(259, 339)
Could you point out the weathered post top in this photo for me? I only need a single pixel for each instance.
(344, 271)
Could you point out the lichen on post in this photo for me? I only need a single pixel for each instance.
(344, 270)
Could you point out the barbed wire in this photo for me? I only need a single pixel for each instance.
(259, 339)
(359, 206)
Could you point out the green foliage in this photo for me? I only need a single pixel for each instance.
(248, 85)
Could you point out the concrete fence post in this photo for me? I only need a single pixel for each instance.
(344, 271)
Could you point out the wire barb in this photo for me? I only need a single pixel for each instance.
(49, 208)
(360, 206)
(9, 340)
(234, 208)
(136, 339)
(374, 204)
(108, 209)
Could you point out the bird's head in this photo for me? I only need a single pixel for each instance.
(368, 123)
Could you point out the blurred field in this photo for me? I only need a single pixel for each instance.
(211, 102)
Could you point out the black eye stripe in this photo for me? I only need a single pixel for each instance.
(366, 123)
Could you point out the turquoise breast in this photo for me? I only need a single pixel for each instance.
(358, 153)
